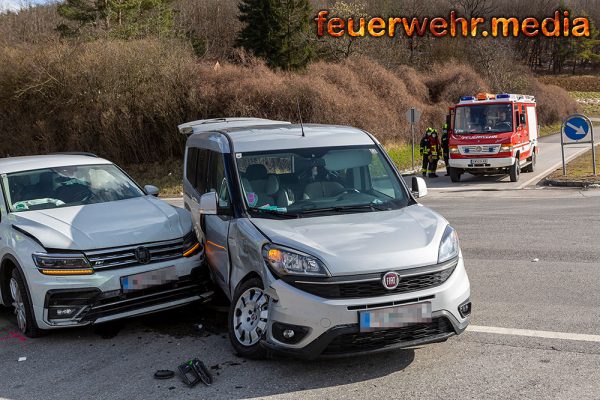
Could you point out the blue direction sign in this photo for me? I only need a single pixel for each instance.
(577, 127)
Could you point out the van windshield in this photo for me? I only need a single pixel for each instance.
(67, 186)
(299, 182)
(483, 118)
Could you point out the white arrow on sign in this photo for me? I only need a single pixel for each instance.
(578, 129)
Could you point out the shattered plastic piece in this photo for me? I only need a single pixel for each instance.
(535, 260)
(164, 374)
(22, 359)
(194, 372)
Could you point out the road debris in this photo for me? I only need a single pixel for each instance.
(22, 359)
(164, 374)
(193, 372)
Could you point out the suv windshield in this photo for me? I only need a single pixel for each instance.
(319, 180)
(67, 186)
(484, 118)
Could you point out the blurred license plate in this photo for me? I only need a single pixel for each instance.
(395, 317)
(479, 161)
(148, 279)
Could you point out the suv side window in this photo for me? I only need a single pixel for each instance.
(196, 168)
(217, 182)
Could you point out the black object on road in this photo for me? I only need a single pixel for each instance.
(194, 372)
(164, 374)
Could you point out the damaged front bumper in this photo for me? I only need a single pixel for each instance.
(64, 307)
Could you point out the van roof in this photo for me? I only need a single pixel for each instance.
(282, 136)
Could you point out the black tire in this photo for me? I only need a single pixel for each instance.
(248, 345)
(454, 174)
(22, 306)
(515, 170)
(531, 166)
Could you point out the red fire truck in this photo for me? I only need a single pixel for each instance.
(493, 134)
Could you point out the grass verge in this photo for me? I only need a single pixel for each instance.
(579, 169)
(166, 175)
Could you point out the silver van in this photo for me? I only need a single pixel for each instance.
(317, 241)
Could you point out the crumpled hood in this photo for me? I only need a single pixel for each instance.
(363, 242)
(102, 225)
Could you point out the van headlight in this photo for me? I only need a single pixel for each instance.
(449, 247)
(62, 264)
(290, 262)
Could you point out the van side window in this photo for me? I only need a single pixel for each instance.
(195, 168)
(217, 182)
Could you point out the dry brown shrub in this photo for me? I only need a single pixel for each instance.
(448, 82)
(554, 103)
(123, 100)
(587, 83)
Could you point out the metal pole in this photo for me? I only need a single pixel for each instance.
(593, 148)
(562, 148)
(412, 134)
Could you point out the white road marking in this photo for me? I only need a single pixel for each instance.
(531, 333)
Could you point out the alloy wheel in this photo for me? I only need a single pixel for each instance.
(18, 304)
(250, 316)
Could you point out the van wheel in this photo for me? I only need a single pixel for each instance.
(248, 318)
(22, 305)
(531, 166)
(515, 171)
(454, 174)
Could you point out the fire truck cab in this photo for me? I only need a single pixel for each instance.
(493, 134)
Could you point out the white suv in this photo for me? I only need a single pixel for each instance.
(82, 243)
(313, 235)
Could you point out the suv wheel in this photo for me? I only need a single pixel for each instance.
(248, 318)
(22, 305)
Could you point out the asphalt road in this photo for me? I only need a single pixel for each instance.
(549, 159)
(502, 234)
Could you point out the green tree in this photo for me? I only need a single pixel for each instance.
(278, 31)
(119, 18)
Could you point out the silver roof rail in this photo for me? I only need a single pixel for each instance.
(215, 124)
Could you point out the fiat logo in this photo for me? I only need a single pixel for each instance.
(390, 280)
(478, 148)
(142, 255)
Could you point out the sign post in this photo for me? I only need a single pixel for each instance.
(577, 129)
(412, 116)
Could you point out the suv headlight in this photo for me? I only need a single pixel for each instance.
(449, 247)
(289, 262)
(62, 264)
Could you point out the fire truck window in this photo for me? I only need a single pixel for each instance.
(484, 118)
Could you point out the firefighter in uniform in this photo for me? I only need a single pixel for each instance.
(424, 150)
(446, 147)
(434, 153)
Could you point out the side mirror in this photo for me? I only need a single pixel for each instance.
(419, 187)
(152, 190)
(208, 203)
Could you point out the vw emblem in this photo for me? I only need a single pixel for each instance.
(478, 148)
(142, 254)
(390, 280)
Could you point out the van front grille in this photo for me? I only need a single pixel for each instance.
(374, 287)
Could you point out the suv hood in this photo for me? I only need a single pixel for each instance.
(103, 225)
(363, 242)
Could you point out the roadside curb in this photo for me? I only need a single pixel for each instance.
(577, 184)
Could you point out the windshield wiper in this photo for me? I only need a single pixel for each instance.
(275, 213)
(353, 207)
